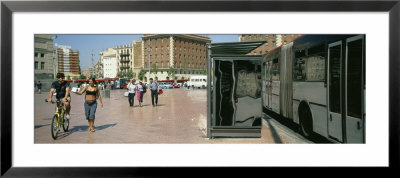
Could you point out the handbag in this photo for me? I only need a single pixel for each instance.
(126, 93)
(160, 92)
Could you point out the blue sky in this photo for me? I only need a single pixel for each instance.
(96, 43)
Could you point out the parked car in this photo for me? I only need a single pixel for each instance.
(175, 85)
(164, 85)
(124, 86)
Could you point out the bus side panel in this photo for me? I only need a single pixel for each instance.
(314, 93)
(320, 121)
(275, 97)
(296, 104)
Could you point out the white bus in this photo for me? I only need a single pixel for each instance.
(318, 82)
(199, 81)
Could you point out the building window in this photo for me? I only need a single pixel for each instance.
(36, 65)
(36, 54)
(273, 43)
(284, 42)
(42, 65)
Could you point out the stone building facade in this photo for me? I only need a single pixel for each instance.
(185, 55)
(273, 41)
(44, 62)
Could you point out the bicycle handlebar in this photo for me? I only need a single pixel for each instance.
(52, 102)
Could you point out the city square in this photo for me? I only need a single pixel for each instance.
(180, 117)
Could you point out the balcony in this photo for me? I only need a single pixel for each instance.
(124, 67)
(124, 54)
(124, 61)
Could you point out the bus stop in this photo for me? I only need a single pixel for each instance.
(234, 105)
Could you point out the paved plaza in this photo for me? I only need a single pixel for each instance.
(181, 117)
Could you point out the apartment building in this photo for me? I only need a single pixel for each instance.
(68, 61)
(185, 55)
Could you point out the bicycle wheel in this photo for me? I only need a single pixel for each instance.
(65, 122)
(54, 126)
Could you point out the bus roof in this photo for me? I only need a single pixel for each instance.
(308, 41)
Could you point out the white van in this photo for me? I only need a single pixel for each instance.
(199, 81)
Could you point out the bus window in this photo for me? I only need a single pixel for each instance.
(299, 70)
(316, 63)
(335, 79)
(354, 80)
(275, 69)
(315, 68)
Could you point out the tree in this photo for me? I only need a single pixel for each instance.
(92, 76)
(171, 72)
(129, 74)
(204, 71)
(120, 74)
(154, 69)
(141, 74)
(82, 76)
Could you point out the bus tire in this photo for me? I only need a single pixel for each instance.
(305, 116)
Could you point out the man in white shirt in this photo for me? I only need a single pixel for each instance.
(131, 88)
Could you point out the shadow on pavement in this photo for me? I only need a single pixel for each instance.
(84, 128)
(38, 126)
(275, 135)
(63, 135)
(104, 126)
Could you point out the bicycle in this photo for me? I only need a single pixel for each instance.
(58, 119)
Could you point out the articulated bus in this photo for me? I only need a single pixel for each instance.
(318, 82)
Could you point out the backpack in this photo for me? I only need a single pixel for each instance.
(144, 89)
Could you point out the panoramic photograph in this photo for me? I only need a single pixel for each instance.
(199, 88)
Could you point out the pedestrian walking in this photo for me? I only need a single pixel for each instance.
(154, 88)
(90, 104)
(39, 86)
(139, 90)
(131, 88)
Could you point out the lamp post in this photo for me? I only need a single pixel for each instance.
(149, 57)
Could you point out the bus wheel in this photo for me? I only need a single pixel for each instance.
(306, 122)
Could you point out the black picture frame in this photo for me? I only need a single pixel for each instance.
(8, 7)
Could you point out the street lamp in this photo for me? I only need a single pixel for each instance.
(149, 57)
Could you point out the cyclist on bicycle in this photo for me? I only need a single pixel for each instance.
(62, 88)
